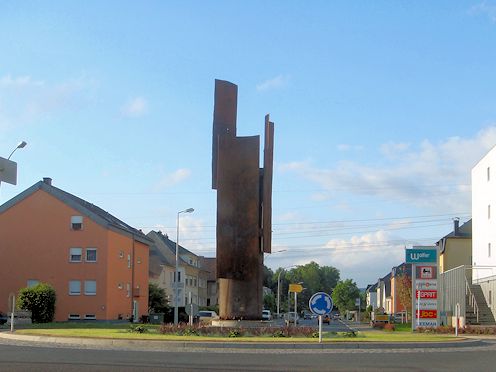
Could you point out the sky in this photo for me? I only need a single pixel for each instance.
(381, 109)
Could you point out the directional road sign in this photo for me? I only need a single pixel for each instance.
(320, 303)
(295, 288)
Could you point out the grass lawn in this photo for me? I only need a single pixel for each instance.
(120, 331)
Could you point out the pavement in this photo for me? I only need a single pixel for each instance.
(461, 342)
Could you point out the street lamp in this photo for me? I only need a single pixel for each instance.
(278, 284)
(176, 294)
(21, 145)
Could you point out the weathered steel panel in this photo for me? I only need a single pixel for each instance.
(225, 108)
(267, 186)
(238, 200)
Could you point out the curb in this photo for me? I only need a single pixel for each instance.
(187, 345)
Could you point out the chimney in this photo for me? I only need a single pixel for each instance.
(47, 180)
(456, 222)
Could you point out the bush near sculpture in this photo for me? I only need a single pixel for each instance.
(40, 300)
(469, 330)
(201, 330)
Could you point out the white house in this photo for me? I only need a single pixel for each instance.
(371, 296)
(484, 217)
(484, 226)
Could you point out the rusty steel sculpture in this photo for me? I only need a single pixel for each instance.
(244, 208)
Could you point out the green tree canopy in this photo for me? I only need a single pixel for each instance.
(40, 300)
(345, 294)
(314, 279)
(157, 299)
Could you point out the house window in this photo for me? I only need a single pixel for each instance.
(90, 287)
(77, 222)
(75, 254)
(90, 254)
(32, 282)
(128, 289)
(90, 317)
(128, 261)
(488, 249)
(121, 254)
(74, 317)
(139, 260)
(74, 288)
(488, 174)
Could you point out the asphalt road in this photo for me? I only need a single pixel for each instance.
(25, 356)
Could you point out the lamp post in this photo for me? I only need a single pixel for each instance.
(20, 145)
(176, 276)
(296, 304)
(278, 284)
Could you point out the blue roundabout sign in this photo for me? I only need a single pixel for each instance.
(320, 303)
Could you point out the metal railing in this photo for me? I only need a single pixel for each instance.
(471, 299)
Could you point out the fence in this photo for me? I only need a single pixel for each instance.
(452, 290)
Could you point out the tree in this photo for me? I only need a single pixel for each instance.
(314, 279)
(157, 299)
(270, 302)
(345, 294)
(40, 300)
(268, 275)
(404, 291)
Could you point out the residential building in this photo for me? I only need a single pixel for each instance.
(397, 272)
(209, 264)
(484, 229)
(371, 296)
(97, 264)
(384, 293)
(192, 279)
(455, 249)
(483, 218)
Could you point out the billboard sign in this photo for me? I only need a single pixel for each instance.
(424, 285)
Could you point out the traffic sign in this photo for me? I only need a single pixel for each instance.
(8, 171)
(320, 303)
(295, 288)
(191, 309)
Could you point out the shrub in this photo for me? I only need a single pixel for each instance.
(379, 325)
(137, 328)
(389, 327)
(234, 332)
(40, 300)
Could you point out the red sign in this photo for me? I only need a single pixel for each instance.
(426, 314)
(431, 294)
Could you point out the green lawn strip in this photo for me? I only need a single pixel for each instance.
(113, 333)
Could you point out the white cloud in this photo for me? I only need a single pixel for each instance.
(484, 8)
(20, 81)
(172, 179)
(391, 149)
(347, 147)
(137, 106)
(25, 100)
(274, 83)
(432, 175)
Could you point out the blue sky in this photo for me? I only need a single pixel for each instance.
(381, 109)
